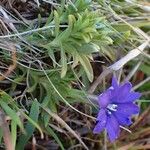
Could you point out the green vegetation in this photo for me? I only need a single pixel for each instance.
(51, 55)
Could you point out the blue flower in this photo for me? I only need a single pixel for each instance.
(116, 107)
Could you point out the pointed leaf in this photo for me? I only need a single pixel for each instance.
(34, 114)
(52, 133)
(87, 66)
(63, 63)
(12, 114)
(57, 22)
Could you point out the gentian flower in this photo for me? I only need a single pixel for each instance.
(116, 108)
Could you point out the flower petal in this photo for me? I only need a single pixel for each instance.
(122, 120)
(98, 128)
(114, 83)
(102, 115)
(112, 127)
(102, 119)
(120, 93)
(104, 99)
(132, 96)
(127, 109)
(125, 88)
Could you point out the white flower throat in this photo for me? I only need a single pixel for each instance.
(111, 107)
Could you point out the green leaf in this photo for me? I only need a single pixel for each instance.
(86, 38)
(88, 48)
(62, 37)
(32, 88)
(75, 95)
(51, 53)
(89, 29)
(29, 128)
(14, 132)
(46, 99)
(52, 56)
(52, 133)
(12, 114)
(71, 20)
(145, 68)
(75, 59)
(5, 97)
(46, 118)
(121, 27)
(87, 66)
(49, 19)
(121, 37)
(52, 105)
(18, 79)
(57, 22)
(33, 123)
(68, 48)
(39, 19)
(63, 63)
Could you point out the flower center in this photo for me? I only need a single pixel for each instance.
(111, 107)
